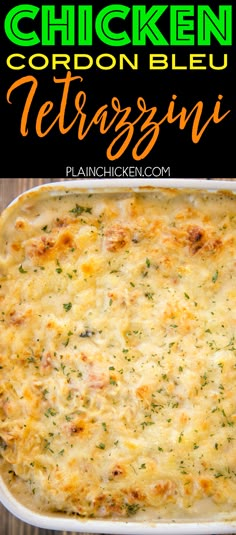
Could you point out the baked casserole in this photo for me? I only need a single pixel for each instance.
(118, 352)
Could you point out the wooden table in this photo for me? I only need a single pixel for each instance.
(9, 525)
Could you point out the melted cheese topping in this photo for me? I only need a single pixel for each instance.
(118, 352)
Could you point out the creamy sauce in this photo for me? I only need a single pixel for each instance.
(117, 353)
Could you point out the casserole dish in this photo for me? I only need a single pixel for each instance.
(117, 336)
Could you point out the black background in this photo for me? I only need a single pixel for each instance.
(48, 157)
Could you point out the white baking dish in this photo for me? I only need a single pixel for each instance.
(225, 523)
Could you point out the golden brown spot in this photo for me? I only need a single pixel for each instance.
(116, 237)
(117, 470)
(196, 238)
(41, 246)
(87, 268)
(195, 234)
(65, 240)
(20, 224)
(134, 495)
(16, 246)
(17, 318)
(77, 428)
(142, 391)
(206, 485)
(166, 488)
(188, 489)
(183, 418)
(205, 426)
(62, 222)
(51, 324)
(212, 245)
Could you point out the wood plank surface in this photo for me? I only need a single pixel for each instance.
(9, 524)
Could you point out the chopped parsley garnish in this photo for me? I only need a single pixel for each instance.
(22, 270)
(67, 306)
(50, 412)
(78, 210)
(101, 446)
(132, 508)
(215, 276)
